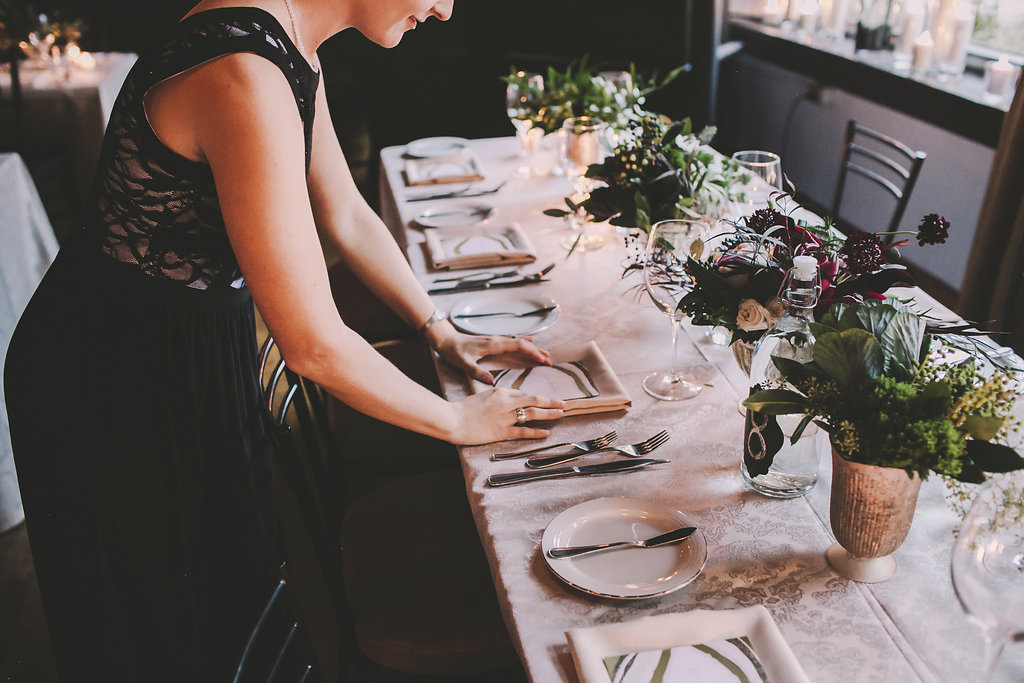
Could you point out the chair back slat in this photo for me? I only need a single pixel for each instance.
(899, 187)
(278, 649)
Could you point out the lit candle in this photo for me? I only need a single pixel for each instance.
(772, 13)
(911, 30)
(923, 48)
(1000, 76)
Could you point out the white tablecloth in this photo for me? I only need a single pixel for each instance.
(69, 116)
(29, 247)
(761, 551)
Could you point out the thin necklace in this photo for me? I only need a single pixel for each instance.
(295, 29)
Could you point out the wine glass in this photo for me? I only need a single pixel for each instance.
(767, 166)
(667, 281)
(988, 564)
(584, 142)
(521, 94)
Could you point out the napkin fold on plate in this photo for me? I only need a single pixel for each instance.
(579, 375)
(478, 246)
(458, 168)
(700, 646)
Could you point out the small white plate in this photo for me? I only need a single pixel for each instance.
(630, 573)
(429, 148)
(511, 302)
(455, 216)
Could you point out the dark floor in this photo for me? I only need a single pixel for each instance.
(24, 644)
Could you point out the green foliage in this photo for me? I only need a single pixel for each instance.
(583, 90)
(886, 401)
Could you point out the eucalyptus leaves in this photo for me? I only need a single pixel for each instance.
(887, 398)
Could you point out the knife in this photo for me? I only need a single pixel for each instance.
(476, 286)
(575, 471)
(668, 538)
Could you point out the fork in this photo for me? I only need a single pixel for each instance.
(481, 277)
(526, 314)
(635, 450)
(588, 446)
(461, 193)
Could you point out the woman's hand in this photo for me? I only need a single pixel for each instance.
(464, 351)
(500, 414)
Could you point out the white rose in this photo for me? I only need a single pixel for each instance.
(752, 316)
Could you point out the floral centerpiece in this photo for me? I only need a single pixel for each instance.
(582, 90)
(737, 285)
(661, 170)
(896, 410)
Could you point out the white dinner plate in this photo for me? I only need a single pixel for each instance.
(429, 148)
(508, 302)
(455, 216)
(629, 573)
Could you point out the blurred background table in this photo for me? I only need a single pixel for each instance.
(29, 247)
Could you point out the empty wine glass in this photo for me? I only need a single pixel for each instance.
(766, 169)
(667, 281)
(988, 564)
(521, 94)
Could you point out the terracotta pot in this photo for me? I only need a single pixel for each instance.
(871, 510)
(743, 352)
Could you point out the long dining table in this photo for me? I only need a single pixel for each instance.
(761, 551)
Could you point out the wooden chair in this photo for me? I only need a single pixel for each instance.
(414, 588)
(885, 162)
(278, 650)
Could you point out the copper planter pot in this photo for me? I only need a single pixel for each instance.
(871, 511)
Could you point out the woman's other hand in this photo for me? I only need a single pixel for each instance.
(464, 351)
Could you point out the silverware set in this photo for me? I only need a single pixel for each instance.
(545, 467)
(498, 282)
(465, 192)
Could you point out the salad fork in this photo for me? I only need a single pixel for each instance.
(635, 450)
(588, 446)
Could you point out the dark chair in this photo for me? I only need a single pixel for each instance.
(882, 160)
(414, 588)
(278, 650)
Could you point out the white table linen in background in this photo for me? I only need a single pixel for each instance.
(70, 116)
(761, 551)
(29, 247)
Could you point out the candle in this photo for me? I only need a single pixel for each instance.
(794, 10)
(911, 30)
(809, 19)
(772, 13)
(923, 48)
(1000, 76)
(840, 10)
(955, 58)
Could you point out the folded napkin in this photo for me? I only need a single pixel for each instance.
(580, 375)
(458, 168)
(701, 646)
(478, 246)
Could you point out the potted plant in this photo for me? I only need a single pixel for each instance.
(897, 407)
(737, 285)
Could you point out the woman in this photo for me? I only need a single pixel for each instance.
(131, 379)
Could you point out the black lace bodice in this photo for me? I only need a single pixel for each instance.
(157, 209)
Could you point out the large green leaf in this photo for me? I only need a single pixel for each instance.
(849, 356)
(794, 371)
(818, 329)
(900, 342)
(776, 402)
(984, 427)
(994, 457)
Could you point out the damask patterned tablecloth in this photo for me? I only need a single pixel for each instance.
(761, 550)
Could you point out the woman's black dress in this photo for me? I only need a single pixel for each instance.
(132, 393)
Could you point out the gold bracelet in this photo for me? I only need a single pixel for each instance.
(435, 317)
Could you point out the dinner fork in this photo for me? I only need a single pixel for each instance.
(459, 193)
(635, 450)
(587, 446)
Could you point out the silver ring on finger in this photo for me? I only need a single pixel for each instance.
(520, 415)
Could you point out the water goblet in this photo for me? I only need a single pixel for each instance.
(988, 564)
(524, 91)
(765, 166)
(667, 280)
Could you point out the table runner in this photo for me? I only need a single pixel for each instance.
(761, 551)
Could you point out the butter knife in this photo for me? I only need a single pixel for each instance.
(576, 471)
(667, 538)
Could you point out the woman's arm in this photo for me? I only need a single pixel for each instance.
(369, 250)
(242, 114)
